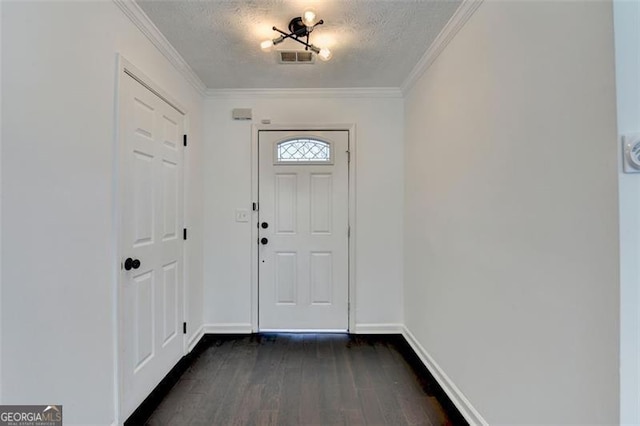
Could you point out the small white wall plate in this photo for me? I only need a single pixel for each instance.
(242, 215)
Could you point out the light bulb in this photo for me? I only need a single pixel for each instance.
(266, 45)
(309, 17)
(325, 54)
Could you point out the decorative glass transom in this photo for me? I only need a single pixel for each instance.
(303, 150)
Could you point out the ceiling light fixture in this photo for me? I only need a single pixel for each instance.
(299, 30)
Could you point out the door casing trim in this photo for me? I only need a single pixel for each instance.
(350, 128)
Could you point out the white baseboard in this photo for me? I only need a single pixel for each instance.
(195, 339)
(378, 329)
(228, 328)
(457, 397)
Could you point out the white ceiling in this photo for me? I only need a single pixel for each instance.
(375, 43)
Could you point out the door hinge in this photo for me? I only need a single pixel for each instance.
(256, 207)
(348, 156)
(184, 140)
(349, 231)
(184, 328)
(184, 234)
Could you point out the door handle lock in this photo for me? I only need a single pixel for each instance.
(264, 241)
(130, 264)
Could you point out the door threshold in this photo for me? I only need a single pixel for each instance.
(296, 330)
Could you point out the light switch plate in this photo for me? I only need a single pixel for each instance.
(242, 215)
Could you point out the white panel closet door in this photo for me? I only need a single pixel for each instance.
(151, 293)
(303, 271)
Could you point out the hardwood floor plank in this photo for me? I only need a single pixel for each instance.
(236, 389)
(390, 407)
(342, 355)
(371, 407)
(412, 409)
(348, 397)
(247, 409)
(353, 417)
(310, 403)
(330, 417)
(289, 412)
(267, 418)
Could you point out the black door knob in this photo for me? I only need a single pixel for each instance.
(264, 225)
(130, 264)
(264, 240)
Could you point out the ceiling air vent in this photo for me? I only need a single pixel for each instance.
(296, 57)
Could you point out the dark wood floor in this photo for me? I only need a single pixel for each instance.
(300, 379)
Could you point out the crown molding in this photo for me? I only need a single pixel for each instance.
(351, 92)
(148, 28)
(455, 24)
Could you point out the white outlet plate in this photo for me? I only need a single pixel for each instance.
(242, 215)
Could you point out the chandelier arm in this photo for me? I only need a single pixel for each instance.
(293, 36)
(301, 32)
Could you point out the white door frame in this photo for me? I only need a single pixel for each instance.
(351, 129)
(123, 66)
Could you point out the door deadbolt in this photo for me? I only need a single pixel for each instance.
(130, 264)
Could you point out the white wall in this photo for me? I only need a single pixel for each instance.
(59, 266)
(379, 163)
(511, 221)
(627, 41)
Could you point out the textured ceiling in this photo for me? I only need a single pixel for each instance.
(375, 43)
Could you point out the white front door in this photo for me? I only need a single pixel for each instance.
(303, 265)
(151, 291)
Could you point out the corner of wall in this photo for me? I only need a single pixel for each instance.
(627, 51)
(455, 24)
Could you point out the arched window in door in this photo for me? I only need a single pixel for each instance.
(303, 150)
